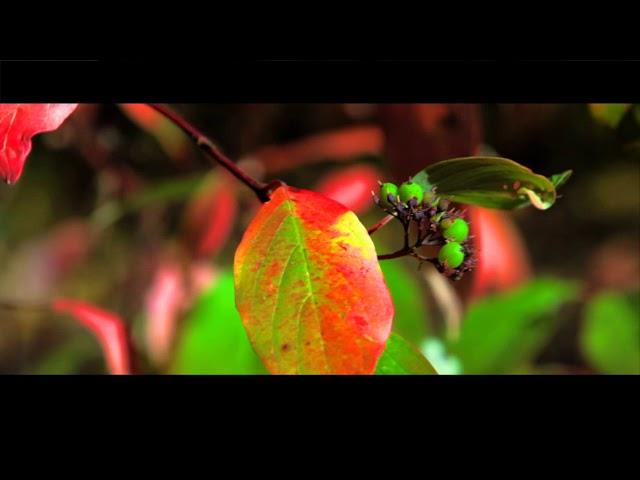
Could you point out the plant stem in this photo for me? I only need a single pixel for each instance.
(261, 189)
(19, 307)
(380, 224)
(400, 253)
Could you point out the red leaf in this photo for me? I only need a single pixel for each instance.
(107, 327)
(210, 216)
(502, 256)
(18, 123)
(309, 288)
(170, 137)
(341, 144)
(351, 187)
(164, 303)
(171, 292)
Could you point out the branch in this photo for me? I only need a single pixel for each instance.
(380, 224)
(20, 307)
(400, 253)
(261, 189)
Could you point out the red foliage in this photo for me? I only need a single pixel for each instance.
(503, 262)
(18, 123)
(351, 187)
(170, 137)
(69, 245)
(164, 304)
(419, 134)
(341, 144)
(107, 327)
(171, 293)
(210, 216)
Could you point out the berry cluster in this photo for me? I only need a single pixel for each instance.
(435, 222)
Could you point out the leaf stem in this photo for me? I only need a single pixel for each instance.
(261, 189)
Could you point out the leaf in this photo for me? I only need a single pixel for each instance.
(409, 300)
(401, 358)
(209, 218)
(501, 332)
(107, 327)
(309, 287)
(436, 352)
(170, 137)
(351, 187)
(491, 182)
(18, 123)
(609, 114)
(503, 260)
(337, 145)
(213, 340)
(610, 337)
(560, 179)
(163, 304)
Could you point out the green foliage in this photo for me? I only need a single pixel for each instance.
(435, 351)
(401, 358)
(610, 337)
(609, 114)
(560, 179)
(491, 182)
(411, 315)
(501, 332)
(213, 340)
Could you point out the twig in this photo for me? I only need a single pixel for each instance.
(380, 224)
(261, 189)
(20, 307)
(400, 253)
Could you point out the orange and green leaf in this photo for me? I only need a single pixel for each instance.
(309, 287)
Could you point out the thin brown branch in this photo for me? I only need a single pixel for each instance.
(261, 189)
(400, 253)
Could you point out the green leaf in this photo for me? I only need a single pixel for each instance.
(610, 338)
(502, 332)
(560, 179)
(409, 298)
(401, 358)
(490, 182)
(435, 350)
(609, 114)
(309, 287)
(213, 340)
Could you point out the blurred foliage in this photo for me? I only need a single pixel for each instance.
(132, 188)
(609, 113)
(401, 358)
(213, 339)
(611, 335)
(502, 332)
(412, 316)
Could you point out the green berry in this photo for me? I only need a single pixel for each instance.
(451, 255)
(409, 190)
(387, 189)
(456, 230)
